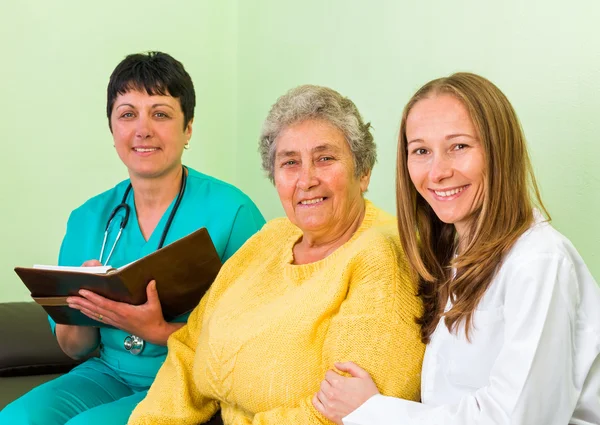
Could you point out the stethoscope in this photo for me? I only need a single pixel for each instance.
(135, 344)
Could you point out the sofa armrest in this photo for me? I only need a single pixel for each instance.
(27, 345)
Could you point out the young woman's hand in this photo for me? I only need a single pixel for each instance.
(339, 395)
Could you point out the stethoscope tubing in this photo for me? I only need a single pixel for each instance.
(113, 247)
(125, 219)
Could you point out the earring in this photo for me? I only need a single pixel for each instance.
(186, 146)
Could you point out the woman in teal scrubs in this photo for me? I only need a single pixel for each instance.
(150, 110)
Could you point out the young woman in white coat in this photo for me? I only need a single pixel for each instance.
(511, 312)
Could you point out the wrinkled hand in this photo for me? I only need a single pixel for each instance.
(145, 320)
(339, 395)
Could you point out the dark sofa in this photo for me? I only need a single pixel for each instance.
(29, 353)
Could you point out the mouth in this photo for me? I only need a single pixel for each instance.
(449, 194)
(313, 201)
(144, 149)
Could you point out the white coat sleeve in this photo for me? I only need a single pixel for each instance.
(531, 381)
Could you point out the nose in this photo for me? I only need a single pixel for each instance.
(441, 168)
(307, 178)
(143, 128)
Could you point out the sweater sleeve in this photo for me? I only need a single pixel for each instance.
(172, 398)
(375, 327)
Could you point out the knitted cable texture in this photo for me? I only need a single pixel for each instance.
(261, 340)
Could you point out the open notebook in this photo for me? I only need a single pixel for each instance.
(183, 270)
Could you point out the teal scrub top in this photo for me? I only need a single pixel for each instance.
(228, 214)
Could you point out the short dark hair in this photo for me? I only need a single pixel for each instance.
(158, 74)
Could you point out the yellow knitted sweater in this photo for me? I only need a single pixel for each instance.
(260, 341)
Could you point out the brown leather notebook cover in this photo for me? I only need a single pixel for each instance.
(183, 270)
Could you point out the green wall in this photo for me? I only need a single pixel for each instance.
(57, 150)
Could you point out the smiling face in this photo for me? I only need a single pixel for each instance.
(314, 177)
(446, 160)
(148, 133)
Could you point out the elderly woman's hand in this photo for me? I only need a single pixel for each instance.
(145, 320)
(339, 395)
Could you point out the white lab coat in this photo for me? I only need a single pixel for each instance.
(534, 352)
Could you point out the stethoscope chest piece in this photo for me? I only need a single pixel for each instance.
(134, 344)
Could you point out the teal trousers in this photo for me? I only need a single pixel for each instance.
(84, 396)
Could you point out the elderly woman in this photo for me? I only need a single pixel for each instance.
(328, 282)
(150, 109)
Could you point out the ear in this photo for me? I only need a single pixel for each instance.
(188, 129)
(364, 181)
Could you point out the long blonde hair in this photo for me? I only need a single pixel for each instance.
(506, 211)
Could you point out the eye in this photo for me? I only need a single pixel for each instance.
(160, 115)
(326, 158)
(289, 163)
(460, 146)
(419, 151)
(127, 115)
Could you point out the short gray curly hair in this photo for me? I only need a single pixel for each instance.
(315, 102)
